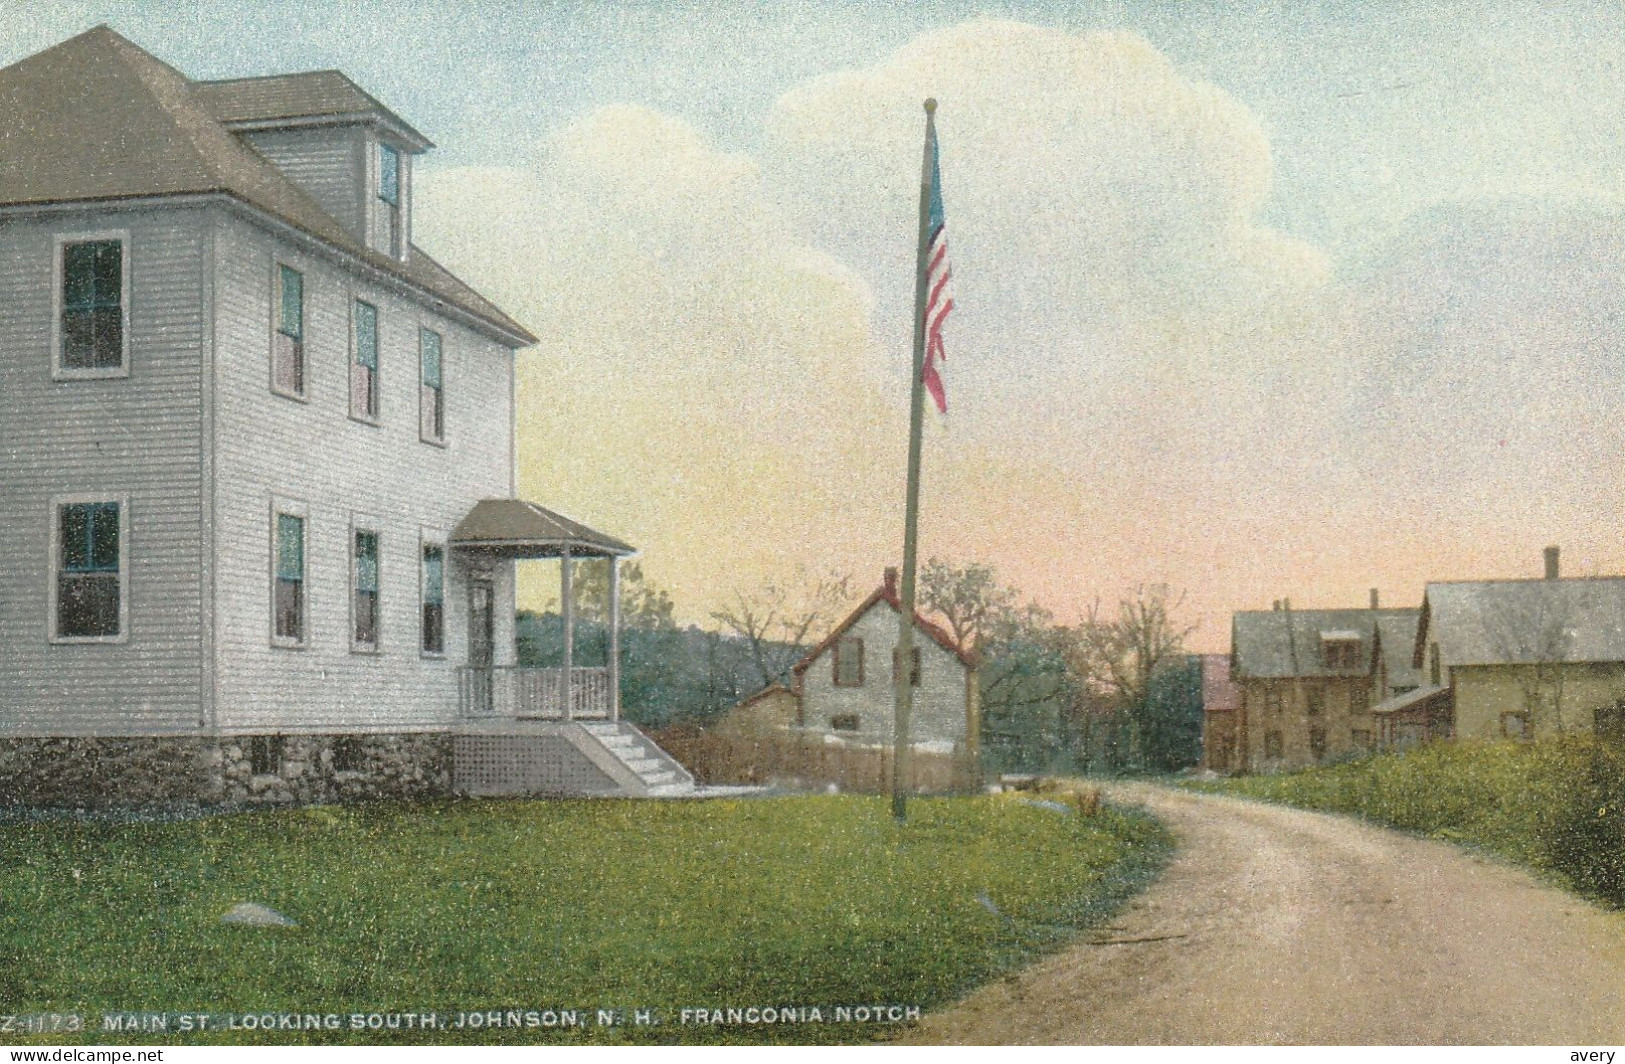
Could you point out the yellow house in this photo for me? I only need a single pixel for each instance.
(1526, 658)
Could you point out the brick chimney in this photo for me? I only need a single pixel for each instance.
(891, 580)
(1374, 599)
(1551, 563)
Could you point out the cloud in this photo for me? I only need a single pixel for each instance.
(721, 377)
(1086, 174)
(706, 384)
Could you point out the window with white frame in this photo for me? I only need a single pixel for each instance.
(364, 593)
(288, 341)
(364, 362)
(90, 595)
(288, 604)
(389, 197)
(92, 312)
(434, 598)
(432, 392)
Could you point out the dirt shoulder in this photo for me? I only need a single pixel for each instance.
(1281, 926)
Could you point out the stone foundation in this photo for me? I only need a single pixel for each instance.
(97, 772)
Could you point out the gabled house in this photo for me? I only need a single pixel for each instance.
(1221, 713)
(259, 462)
(1523, 658)
(1307, 682)
(845, 683)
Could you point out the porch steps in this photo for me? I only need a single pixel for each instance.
(659, 774)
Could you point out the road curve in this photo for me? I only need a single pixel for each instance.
(1280, 926)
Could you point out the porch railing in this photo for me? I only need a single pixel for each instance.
(537, 694)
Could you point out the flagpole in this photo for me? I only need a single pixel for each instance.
(903, 663)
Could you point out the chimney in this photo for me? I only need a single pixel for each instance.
(1551, 563)
(891, 581)
(1276, 605)
(1374, 599)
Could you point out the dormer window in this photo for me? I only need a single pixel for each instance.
(389, 200)
(1340, 650)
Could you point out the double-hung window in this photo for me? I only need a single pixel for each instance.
(914, 670)
(288, 342)
(389, 199)
(92, 318)
(288, 579)
(364, 602)
(849, 662)
(90, 597)
(432, 393)
(364, 364)
(434, 599)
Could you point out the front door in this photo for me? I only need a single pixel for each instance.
(481, 643)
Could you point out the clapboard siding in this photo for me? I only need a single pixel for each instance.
(939, 701)
(314, 453)
(137, 436)
(328, 163)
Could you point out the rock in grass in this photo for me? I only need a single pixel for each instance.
(253, 914)
(1044, 803)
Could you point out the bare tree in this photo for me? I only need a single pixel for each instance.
(1535, 634)
(969, 598)
(777, 621)
(1117, 654)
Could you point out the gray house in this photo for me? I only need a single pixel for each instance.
(259, 462)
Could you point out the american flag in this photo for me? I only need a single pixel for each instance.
(938, 301)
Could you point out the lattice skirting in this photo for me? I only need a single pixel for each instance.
(525, 764)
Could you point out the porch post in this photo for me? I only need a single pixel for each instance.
(567, 596)
(614, 637)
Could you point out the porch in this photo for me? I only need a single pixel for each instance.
(507, 531)
(517, 692)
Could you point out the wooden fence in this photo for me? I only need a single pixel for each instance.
(791, 759)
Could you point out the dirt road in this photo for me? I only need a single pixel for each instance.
(1301, 928)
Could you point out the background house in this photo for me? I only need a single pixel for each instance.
(1525, 658)
(1307, 682)
(845, 682)
(1221, 713)
(259, 479)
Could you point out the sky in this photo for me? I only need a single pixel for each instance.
(1257, 301)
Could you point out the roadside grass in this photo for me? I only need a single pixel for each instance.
(1556, 806)
(472, 906)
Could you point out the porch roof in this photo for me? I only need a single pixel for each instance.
(515, 528)
(1411, 699)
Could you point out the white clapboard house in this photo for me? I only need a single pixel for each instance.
(258, 478)
(846, 689)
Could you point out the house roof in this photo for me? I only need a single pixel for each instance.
(1410, 699)
(315, 94)
(767, 692)
(1513, 622)
(887, 593)
(1286, 643)
(519, 529)
(97, 118)
(1219, 694)
(1396, 635)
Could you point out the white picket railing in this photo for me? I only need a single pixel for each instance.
(536, 694)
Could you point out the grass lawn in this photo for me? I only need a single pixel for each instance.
(472, 906)
(1556, 806)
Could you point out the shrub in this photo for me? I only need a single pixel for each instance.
(1557, 805)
